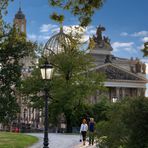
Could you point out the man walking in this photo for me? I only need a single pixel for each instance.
(91, 128)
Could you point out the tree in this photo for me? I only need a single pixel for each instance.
(84, 9)
(3, 11)
(13, 48)
(126, 125)
(3, 6)
(75, 83)
(100, 108)
(72, 84)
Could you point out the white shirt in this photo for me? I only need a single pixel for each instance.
(84, 127)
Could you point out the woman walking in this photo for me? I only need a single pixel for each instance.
(83, 130)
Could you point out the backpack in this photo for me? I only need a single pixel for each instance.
(91, 127)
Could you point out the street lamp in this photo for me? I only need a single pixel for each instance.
(54, 46)
(46, 72)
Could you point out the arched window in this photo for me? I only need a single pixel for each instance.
(22, 28)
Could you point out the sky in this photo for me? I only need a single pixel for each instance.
(125, 21)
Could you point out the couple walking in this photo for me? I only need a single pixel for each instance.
(90, 128)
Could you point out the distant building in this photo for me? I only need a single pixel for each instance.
(125, 77)
(20, 21)
(28, 117)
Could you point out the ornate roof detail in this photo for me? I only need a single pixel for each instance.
(108, 59)
(57, 43)
(19, 14)
(114, 73)
(100, 40)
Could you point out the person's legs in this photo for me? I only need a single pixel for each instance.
(90, 138)
(84, 137)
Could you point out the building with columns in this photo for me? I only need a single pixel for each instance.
(124, 77)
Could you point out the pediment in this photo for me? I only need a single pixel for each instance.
(114, 72)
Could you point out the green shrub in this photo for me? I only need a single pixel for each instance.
(126, 125)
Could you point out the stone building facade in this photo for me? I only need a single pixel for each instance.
(28, 116)
(124, 77)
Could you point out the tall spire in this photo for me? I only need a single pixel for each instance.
(20, 20)
(20, 5)
(19, 14)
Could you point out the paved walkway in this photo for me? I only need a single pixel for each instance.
(86, 146)
(60, 141)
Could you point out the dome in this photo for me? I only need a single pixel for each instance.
(20, 15)
(57, 43)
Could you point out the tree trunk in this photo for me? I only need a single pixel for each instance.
(69, 124)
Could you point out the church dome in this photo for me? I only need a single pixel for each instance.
(57, 43)
(19, 14)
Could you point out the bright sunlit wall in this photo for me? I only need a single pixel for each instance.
(146, 93)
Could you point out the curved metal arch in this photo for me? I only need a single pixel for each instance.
(56, 43)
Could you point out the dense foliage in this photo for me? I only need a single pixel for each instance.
(84, 9)
(3, 11)
(126, 125)
(75, 83)
(13, 48)
(71, 86)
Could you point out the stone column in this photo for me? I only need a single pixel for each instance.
(110, 93)
(123, 92)
(138, 92)
(117, 93)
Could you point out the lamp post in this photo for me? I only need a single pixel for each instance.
(46, 72)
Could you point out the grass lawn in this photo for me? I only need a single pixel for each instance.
(16, 140)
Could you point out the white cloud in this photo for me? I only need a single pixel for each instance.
(128, 49)
(55, 30)
(124, 34)
(47, 30)
(127, 46)
(91, 30)
(74, 29)
(47, 27)
(32, 37)
(43, 37)
(145, 39)
(140, 47)
(124, 46)
(140, 34)
(40, 38)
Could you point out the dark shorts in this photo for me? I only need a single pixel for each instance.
(83, 135)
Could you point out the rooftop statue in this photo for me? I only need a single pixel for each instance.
(91, 43)
(144, 68)
(99, 31)
(138, 67)
(106, 40)
(108, 59)
(99, 39)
